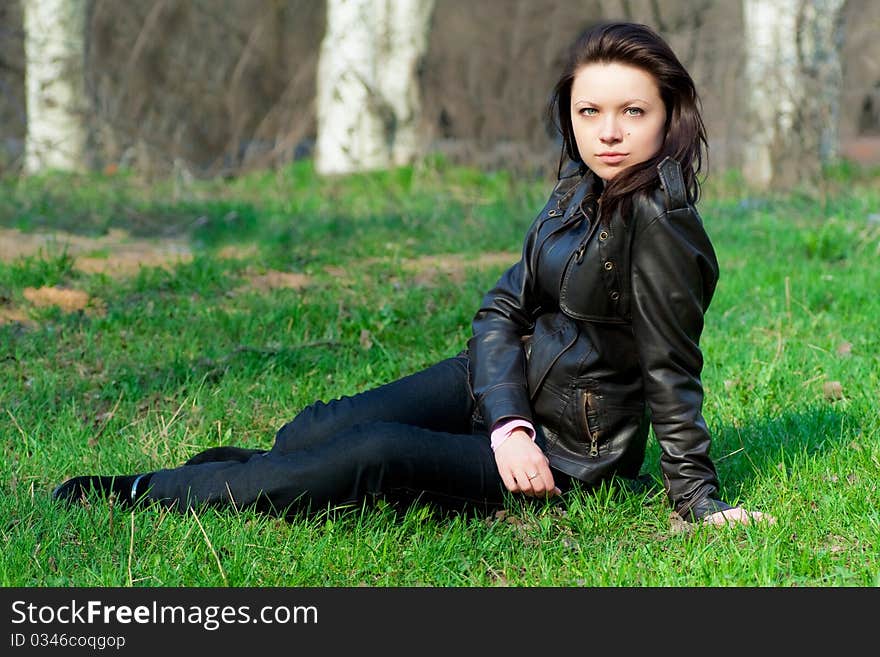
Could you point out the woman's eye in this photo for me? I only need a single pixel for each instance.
(634, 111)
(589, 111)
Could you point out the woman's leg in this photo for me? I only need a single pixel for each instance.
(395, 438)
(377, 459)
(422, 399)
(428, 407)
(438, 398)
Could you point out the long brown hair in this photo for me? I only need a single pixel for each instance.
(684, 140)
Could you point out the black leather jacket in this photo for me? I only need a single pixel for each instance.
(594, 335)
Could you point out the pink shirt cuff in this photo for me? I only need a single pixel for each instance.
(503, 429)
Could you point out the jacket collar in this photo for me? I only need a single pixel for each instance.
(589, 184)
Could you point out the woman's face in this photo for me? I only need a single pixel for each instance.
(617, 115)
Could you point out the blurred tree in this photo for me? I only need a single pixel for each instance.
(55, 45)
(795, 78)
(13, 119)
(368, 101)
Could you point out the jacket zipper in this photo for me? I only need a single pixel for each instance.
(594, 438)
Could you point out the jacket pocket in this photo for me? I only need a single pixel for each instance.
(554, 334)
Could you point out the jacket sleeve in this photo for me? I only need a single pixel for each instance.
(497, 356)
(674, 273)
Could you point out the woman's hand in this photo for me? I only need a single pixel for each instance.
(523, 466)
(738, 515)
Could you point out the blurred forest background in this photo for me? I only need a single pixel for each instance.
(220, 87)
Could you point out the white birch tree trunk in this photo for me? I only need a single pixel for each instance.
(55, 84)
(368, 99)
(794, 79)
(821, 46)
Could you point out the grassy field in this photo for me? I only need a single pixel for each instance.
(290, 288)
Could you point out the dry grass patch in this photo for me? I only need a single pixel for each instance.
(239, 252)
(68, 300)
(426, 269)
(11, 315)
(265, 281)
(116, 253)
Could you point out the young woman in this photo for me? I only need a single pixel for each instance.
(581, 346)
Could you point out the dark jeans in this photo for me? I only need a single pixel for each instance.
(414, 438)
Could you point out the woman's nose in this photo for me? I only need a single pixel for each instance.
(609, 132)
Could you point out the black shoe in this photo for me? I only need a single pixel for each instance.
(79, 489)
(239, 454)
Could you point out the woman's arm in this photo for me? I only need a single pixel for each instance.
(497, 357)
(674, 273)
(498, 368)
(498, 372)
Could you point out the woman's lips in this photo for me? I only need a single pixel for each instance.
(611, 158)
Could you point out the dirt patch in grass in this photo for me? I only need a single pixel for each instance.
(239, 252)
(11, 315)
(427, 270)
(116, 253)
(67, 299)
(119, 255)
(265, 281)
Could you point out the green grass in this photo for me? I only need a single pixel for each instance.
(175, 361)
